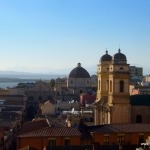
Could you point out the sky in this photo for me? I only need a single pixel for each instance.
(52, 36)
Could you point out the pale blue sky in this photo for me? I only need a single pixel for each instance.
(54, 35)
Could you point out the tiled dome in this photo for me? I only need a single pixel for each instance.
(119, 56)
(79, 72)
(106, 57)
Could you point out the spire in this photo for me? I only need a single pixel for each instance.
(106, 51)
(119, 50)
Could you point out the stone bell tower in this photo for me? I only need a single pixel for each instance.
(112, 104)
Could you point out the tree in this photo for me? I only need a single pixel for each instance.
(52, 83)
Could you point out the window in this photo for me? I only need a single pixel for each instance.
(52, 142)
(67, 141)
(110, 86)
(120, 139)
(138, 119)
(141, 138)
(99, 85)
(107, 85)
(106, 139)
(121, 86)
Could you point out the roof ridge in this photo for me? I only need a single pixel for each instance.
(34, 131)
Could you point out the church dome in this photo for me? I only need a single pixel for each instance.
(119, 56)
(79, 72)
(106, 57)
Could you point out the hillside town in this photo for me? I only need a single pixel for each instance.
(106, 111)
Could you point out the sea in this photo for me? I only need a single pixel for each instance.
(9, 81)
(5, 85)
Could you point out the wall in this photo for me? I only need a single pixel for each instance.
(39, 143)
(140, 110)
(130, 138)
(48, 108)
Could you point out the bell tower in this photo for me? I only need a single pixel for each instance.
(119, 97)
(103, 75)
(101, 116)
(112, 104)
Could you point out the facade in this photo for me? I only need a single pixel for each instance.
(50, 136)
(48, 108)
(136, 73)
(121, 134)
(4, 92)
(36, 93)
(45, 134)
(113, 102)
(12, 103)
(147, 78)
(140, 108)
(16, 91)
(61, 86)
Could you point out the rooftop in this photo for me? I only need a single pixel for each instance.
(34, 125)
(53, 131)
(120, 128)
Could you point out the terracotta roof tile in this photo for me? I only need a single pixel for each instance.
(55, 122)
(132, 127)
(125, 128)
(52, 131)
(34, 125)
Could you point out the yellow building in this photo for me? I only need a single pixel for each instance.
(113, 101)
(48, 108)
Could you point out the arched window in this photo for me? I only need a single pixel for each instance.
(99, 85)
(121, 86)
(110, 86)
(107, 85)
(138, 119)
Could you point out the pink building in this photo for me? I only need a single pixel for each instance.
(87, 98)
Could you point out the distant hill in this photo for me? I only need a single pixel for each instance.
(43, 76)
